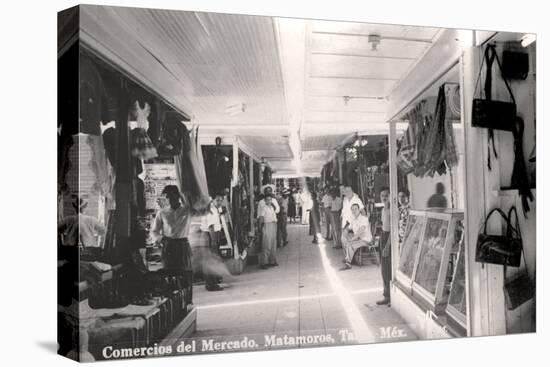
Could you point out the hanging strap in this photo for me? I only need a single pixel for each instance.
(498, 210)
(515, 231)
(489, 57)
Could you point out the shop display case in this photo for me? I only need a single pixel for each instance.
(425, 262)
(456, 306)
(409, 249)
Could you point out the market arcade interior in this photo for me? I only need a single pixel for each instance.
(122, 141)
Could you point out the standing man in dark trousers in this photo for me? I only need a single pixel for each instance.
(326, 211)
(282, 218)
(385, 246)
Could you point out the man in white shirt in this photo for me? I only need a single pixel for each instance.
(356, 235)
(171, 229)
(350, 198)
(307, 204)
(211, 228)
(268, 224)
(268, 190)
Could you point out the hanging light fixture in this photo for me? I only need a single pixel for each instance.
(374, 40)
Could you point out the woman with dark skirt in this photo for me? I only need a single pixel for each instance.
(315, 219)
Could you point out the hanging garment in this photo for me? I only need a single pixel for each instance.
(173, 134)
(92, 97)
(142, 146)
(189, 172)
(101, 167)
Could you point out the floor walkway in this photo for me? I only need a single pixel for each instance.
(306, 295)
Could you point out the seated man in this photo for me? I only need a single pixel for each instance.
(356, 235)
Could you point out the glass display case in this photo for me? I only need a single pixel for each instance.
(456, 306)
(409, 249)
(425, 265)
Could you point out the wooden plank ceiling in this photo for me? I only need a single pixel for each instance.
(322, 80)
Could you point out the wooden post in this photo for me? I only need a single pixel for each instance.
(251, 182)
(392, 158)
(487, 310)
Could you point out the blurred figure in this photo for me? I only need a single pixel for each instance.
(307, 204)
(211, 232)
(80, 229)
(314, 219)
(438, 199)
(292, 206)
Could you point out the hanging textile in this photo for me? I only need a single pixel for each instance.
(428, 146)
(188, 172)
(101, 167)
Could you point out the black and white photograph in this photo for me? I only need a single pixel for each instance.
(244, 185)
(232, 183)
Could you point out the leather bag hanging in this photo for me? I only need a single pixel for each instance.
(487, 113)
(499, 249)
(519, 288)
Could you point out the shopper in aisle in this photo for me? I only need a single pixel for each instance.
(307, 204)
(170, 229)
(268, 224)
(314, 219)
(292, 206)
(385, 246)
(335, 213)
(356, 235)
(211, 232)
(326, 210)
(282, 217)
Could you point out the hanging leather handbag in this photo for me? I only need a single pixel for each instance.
(486, 113)
(519, 288)
(498, 249)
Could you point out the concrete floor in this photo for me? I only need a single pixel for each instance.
(306, 295)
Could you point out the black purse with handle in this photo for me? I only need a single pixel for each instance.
(499, 249)
(518, 288)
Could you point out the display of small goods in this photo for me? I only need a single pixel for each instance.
(157, 176)
(456, 307)
(428, 250)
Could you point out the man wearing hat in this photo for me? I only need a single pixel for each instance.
(268, 189)
(282, 218)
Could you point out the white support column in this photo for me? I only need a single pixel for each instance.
(392, 157)
(486, 298)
